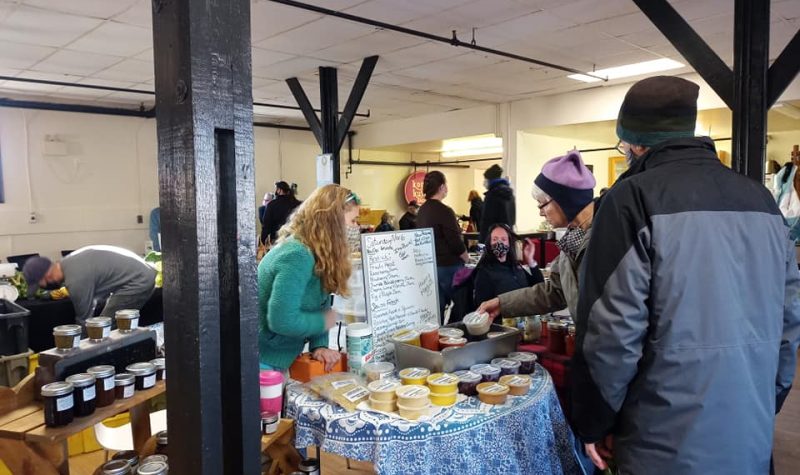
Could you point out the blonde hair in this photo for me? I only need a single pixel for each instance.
(319, 224)
(472, 195)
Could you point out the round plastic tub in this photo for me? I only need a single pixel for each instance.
(429, 336)
(477, 323)
(507, 365)
(519, 384)
(488, 372)
(412, 413)
(414, 375)
(468, 382)
(493, 393)
(527, 361)
(451, 342)
(413, 397)
(385, 406)
(444, 399)
(376, 370)
(443, 383)
(408, 336)
(449, 332)
(383, 390)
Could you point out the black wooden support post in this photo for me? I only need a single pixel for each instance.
(751, 56)
(783, 70)
(205, 164)
(329, 116)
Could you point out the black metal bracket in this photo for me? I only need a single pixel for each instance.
(783, 70)
(306, 107)
(354, 100)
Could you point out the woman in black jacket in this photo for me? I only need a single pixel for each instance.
(475, 210)
(499, 271)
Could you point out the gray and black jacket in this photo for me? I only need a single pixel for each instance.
(688, 317)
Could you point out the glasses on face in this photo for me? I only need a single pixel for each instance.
(544, 205)
(618, 148)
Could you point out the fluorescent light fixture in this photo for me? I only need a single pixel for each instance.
(486, 145)
(628, 70)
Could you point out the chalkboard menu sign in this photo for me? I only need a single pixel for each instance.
(400, 283)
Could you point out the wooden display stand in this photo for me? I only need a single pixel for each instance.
(280, 448)
(28, 447)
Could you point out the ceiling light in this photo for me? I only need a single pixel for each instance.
(628, 70)
(485, 145)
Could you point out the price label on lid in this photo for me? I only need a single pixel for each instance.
(415, 392)
(343, 383)
(444, 380)
(494, 388)
(385, 386)
(517, 381)
(415, 373)
(356, 394)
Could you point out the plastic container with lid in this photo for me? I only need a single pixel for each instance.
(269, 422)
(383, 390)
(153, 468)
(85, 393)
(451, 342)
(493, 393)
(116, 467)
(527, 361)
(161, 368)
(429, 336)
(414, 375)
(271, 383)
(408, 336)
(447, 399)
(161, 442)
(98, 328)
(359, 347)
(385, 406)
(507, 365)
(442, 383)
(67, 337)
(468, 382)
(556, 337)
(477, 323)
(145, 374)
(413, 413)
(124, 385)
(375, 370)
(488, 372)
(154, 458)
(449, 332)
(518, 384)
(59, 404)
(104, 384)
(127, 320)
(130, 456)
(413, 396)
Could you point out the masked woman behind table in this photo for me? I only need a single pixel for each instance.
(564, 192)
(499, 270)
(296, 278)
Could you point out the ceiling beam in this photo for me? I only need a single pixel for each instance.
(306, 108)
(783, 70)
(354, 100)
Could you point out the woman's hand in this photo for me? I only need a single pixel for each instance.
(529, 252)
(492, 307)
(327, 356)
(601, 452)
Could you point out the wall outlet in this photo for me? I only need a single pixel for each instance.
(33, 219)
(139, 219)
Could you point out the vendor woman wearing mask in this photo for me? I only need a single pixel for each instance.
(564, 191)
(295, 279)
(499, 269)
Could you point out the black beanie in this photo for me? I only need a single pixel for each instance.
(493, 172)
(656, 109)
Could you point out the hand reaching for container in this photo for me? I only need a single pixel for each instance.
(327, 356)
(492, 307)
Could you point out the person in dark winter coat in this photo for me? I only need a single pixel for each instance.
(386, 223)
(278, 211)
(475, 210)
(499, 271)
(409, 219)
(498, 205)
(686, 342)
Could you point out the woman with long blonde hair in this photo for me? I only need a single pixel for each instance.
(295, 279)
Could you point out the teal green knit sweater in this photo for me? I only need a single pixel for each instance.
(291, 304)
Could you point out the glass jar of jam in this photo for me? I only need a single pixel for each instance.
(130, 456)
(161, 368)
(468, 382)
(84, 393)
(124, 385)
(59, 404)
(161, 442)
(116, 467)
(67, 337)
(127, 320)
(570, 340)
(269, 423)
(154, 458)
(556, 337)
(98, 328)
(104, 384)
(153, 468)
(145, 374)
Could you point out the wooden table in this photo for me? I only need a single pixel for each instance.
(280, 448)
(28, 447)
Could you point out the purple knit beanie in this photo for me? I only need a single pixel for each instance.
(567, 180)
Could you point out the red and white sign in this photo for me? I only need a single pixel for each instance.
(413, 187)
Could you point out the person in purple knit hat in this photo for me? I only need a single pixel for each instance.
(565, 192)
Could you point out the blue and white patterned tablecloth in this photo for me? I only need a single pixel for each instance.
(527, 435)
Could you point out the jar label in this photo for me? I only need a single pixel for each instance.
(385, 386)
(89, 393)
(108, 383)
(64, 403)
(444, 380)
(494, 388)
(517, 381)
(128, 391)
(508, 364)
(343, 383)
(106, 332)
(415, 392)
(414, 373)
(76, 341)
(356, 394)
(134, 324)
(149, 381)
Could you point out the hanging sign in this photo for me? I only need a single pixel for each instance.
(413, 187)
(324, 169)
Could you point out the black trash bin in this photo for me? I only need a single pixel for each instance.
(13, 328)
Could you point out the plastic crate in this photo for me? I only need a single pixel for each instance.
(14, 368)
(13, 328)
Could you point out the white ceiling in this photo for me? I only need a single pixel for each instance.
(109, 42)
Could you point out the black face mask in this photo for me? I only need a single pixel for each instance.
(500, 249)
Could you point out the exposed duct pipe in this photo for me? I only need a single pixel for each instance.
(454, 41)
(140, 91)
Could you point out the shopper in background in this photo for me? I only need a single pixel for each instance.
(686, 338)
(310, 261)
(409, 219)
(564, 191)
(278, 211)
(451, 254)
(499, 206)
(386, 223)
(475, 211)
(500, 269)
(155, 228)
(786, 189)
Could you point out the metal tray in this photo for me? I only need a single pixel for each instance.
(476, 351)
